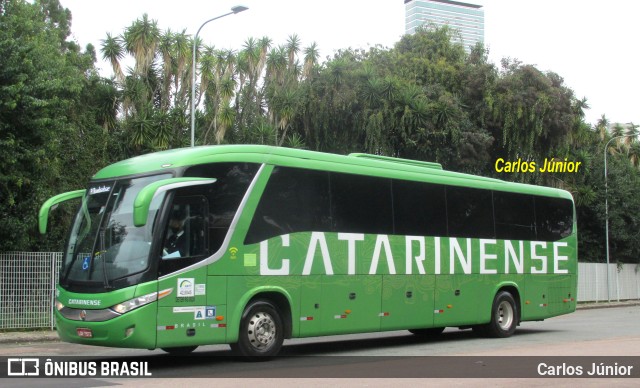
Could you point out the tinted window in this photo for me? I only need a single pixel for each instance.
(361, 204)
(419, 209)
(469, 212)
(224, 196)
(185, 237)
(515, 217)
(554, 218)
(294, 200)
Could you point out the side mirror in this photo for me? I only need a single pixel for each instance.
(145, 196)
(52, 203)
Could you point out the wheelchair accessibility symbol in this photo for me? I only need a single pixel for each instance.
(85, 263)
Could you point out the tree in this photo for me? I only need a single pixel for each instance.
(49, 112)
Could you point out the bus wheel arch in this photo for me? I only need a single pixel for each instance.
(515, 293)
(505, 314)
(283, 306)
(264, 324)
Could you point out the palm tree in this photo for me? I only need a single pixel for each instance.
(579, 107)
(166, 52)
(276, 65)
(182, 53)
(633, 154)
(224, 114)
(263, 46)
(251, 55)
(631, 133)
(293, 46)
(618, 130)
(285, 107)
(141, 40)
(113, 52)
(311, 55)
(207, 70)
(602, 127)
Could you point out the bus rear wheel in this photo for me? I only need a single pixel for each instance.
(504, 317)
(261, 331)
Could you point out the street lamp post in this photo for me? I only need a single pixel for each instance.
(234, 10)
(606, 211)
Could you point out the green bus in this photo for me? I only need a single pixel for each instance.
(250, 245)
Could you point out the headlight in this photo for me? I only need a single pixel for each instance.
(59, 305)
(139, 301)
(134, 303)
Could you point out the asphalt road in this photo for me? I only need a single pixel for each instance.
(609, 335)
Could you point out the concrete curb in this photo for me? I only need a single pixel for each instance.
(29, 337)
(605, 305)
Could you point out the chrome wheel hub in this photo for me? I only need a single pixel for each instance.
(505, 315)
(261, 331)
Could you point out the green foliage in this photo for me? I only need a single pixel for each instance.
(44, 116)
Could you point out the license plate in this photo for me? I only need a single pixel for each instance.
(84, 333)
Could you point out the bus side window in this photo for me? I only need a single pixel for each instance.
(361, 204)
(232, 181)
(554, 218)
(515, 216)
(294, 200)
(419, 209)
(470, 212)
(185, 237)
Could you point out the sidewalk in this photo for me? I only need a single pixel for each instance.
(29, 337)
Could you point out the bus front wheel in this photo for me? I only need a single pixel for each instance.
(504, 317)
(261, 331)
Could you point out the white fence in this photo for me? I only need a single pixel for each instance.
(27, 286)
(624, 282)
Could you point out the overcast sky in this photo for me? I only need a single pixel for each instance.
(593, 45)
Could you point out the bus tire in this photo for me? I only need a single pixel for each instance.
(504, 317)
(261, 331)
(430, 332)
(180, 351)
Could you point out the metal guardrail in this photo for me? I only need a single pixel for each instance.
(28, 279)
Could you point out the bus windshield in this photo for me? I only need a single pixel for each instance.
(104, 245)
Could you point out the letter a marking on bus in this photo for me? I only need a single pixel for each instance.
(317, 238)
(382, 241)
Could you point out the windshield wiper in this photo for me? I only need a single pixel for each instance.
(106, 284)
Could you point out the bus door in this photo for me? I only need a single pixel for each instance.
(184, 318)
